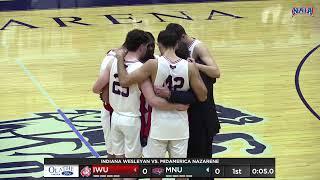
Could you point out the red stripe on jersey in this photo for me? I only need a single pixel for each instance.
(145, 117)
(108, 107)
(148, 121)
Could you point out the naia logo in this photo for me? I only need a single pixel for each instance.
(303, 11)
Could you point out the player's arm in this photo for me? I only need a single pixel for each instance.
(137, 76)
(103, 79)
(183, 97)
(158, 102)
(196, 83)
(211, 68)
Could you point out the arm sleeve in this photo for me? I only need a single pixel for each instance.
(182, 97)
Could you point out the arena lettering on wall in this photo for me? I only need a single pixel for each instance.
(114, 19)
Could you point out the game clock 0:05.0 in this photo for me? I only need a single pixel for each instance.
(262, 171)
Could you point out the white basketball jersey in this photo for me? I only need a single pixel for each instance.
(192, 46)
(104, 64)
(110, 55)
(124, 101)
(170, 125)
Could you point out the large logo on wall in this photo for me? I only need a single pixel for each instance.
(25, 142)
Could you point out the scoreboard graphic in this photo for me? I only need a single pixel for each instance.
(160, 168)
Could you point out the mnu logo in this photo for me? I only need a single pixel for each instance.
(302, 11)
(25, 142)
(158, 171)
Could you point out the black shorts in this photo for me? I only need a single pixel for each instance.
(203, 126)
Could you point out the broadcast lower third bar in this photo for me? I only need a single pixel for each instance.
(160, 168)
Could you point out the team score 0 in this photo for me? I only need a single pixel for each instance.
(218, 171)
(117, 89)
(263, 171)
(175, 83)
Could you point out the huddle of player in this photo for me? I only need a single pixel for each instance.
(152, 103)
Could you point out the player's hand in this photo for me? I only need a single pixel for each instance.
(163, 92)
(193, 61)
(121, 53)
(182, 107)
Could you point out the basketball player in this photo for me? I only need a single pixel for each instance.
(184, 97)
(125, 101)
(204, 123)
(107, 110)
(169, 129)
